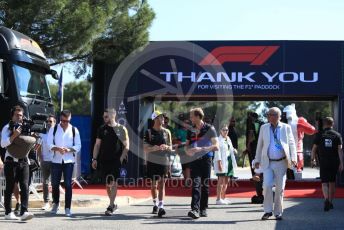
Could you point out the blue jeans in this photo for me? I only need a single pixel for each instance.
(56, 173)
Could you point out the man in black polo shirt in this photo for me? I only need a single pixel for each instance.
(200, 144)
(112, 145)
(329, 144)
(157, 146)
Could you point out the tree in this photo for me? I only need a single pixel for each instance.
(305, 109)
(70, 30)
(76, 97)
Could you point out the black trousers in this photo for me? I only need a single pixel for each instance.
(258, 185)
(200, 174)
(16, 172)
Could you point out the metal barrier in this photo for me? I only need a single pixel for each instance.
(36, 180)
(2, 187)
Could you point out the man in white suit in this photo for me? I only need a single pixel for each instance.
(276, 151)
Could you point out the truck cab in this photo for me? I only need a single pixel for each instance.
(23, 76)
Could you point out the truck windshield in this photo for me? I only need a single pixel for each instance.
(31, 82)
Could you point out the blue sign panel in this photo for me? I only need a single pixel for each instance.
(236, 68)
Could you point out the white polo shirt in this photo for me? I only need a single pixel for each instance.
(64, 139)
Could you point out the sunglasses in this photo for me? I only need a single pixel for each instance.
(272, 114)
(65, 121)
(49, 121)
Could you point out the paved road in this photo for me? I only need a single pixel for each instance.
(299, 214)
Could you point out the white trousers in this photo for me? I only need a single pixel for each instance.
(275, 174)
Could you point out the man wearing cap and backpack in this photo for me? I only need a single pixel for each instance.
(109, 153)
(157, 147)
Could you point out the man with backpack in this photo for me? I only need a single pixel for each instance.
(64, 142)
(158, 146)
(109, 153)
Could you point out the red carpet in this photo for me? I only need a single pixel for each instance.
(294, 189)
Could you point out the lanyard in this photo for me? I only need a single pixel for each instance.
(277, 142)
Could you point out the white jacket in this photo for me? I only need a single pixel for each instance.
(287, 141)
(225, 149)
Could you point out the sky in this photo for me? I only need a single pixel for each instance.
(247, 20)
(244, 20)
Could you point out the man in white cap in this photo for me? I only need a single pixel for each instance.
(157, 146)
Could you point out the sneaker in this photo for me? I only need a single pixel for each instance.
(17, 209)
(54, 209)
(204, 213)
(155, 210)
(221, 202)
(257, 199)
(161, 212)
(46, 206)
(266, 215)
(11, 216)
(331, 205)
(26, 216)
(227, 201)
(109, 211)
(68, 212)
(326, 206)
(193, 214)
(279, 217)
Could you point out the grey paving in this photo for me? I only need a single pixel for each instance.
(299, 214)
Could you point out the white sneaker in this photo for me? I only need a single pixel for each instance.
(26, 216)
(227, 201)
(46, 206)
(68, 212)
(54, 209)
(220, 202)
(11, 216)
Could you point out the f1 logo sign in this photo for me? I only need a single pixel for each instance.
(255, 55)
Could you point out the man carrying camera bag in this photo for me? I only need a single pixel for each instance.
(16, 164)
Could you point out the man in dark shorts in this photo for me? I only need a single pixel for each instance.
(200, 144)
(110, 149)
(157, 147)
(329, 146)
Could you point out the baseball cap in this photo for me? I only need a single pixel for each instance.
(155, 114)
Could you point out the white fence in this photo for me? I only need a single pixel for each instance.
(2, 187)
(36, 180)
